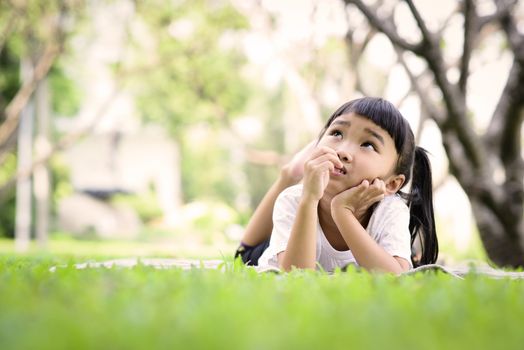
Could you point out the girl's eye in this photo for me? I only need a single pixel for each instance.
(369, 145)
(336, 133)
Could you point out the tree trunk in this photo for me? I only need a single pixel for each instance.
(503, 241)
(41, 174)
(23, 186)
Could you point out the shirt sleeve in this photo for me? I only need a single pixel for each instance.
(284, 214)
(393, 235)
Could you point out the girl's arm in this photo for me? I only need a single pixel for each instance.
(366, 251)
(261, 223)
(301, 248)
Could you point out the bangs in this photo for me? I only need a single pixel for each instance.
(380, 112)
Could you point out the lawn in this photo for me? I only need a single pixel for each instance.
(236, 308)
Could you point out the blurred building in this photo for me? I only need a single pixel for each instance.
(106, 164)
(119, 155)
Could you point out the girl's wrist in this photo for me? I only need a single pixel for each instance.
(308, 200)
(342, 214)
(342, 207)
(284, 180)
(286, 177)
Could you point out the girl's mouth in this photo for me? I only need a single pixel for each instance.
(339, 171)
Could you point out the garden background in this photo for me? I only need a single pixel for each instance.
(154, 128)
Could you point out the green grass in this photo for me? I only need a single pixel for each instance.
(236, 308)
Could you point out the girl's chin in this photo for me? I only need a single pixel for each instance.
(335, 187)
(342, 182)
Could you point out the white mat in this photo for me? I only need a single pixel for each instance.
(187, 264)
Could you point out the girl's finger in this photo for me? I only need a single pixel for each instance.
(378, 183)
(333, 159)
(361, 188)
(322, 167)
(326, 149)
(327, 165)
(364, 184)
(319, 151)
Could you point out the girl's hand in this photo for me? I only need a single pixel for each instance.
(358, 199)
(293, 171)
(317, 169)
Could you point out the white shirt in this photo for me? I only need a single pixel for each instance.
(388, 226)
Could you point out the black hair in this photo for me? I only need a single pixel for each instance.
(412, 162)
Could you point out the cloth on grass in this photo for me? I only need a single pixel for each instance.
(459, 271)
(469, 270)
(456, 271)
(157, 263)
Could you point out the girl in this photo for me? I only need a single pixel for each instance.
(349, 208)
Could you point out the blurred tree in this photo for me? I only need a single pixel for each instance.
(193, 85)
(498, 205)
(35, 33)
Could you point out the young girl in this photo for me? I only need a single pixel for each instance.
(349, 208)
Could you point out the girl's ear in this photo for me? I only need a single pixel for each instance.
(394, 183)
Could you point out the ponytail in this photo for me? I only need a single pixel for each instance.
(422, 219)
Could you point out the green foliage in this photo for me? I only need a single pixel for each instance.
(65, 94)
(192, 78)
(7, 212)
(208, 220)
(206, 169)
(145, 205)
(60, 180)
(30, 27)
(7, 216)
(9, 80)
(236, 308)
(9, 58)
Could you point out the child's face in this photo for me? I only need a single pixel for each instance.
(366, 150)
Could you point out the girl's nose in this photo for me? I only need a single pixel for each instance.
(344, 156)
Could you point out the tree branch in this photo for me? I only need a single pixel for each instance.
(355, 53)
(62, 144)
(7, 147)
(427, 36)
(503, 133)
(503, 9)
(454, 99)
(470, 19)
(385, 27)
(439, 33)
(8, 28)
(41, 68)
(437, 115)
(13, 109)
(515, 38)
(430, 50)
(427, 48)
(507, 107)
